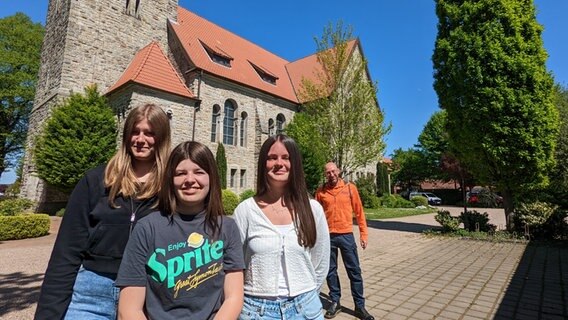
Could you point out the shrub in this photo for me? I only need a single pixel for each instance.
(23, 226)
(419, 201)
(230, 201)
(395, 201)
(221, 160)
(369, 200)
(65, 148)
(543, 220)
(449, 223)
(14, 206)
(60, 212)
(473, 220)
(248, 193)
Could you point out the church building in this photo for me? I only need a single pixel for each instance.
(215, 86)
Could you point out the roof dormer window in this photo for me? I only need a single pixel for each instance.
(217, 55)
(264, 74)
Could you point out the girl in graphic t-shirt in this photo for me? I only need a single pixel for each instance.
(185, 262)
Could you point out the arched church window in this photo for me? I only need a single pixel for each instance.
(270, 127)
(280, 121)
(229, 123)
(214, 120)
(243, 133)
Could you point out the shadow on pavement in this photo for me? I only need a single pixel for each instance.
(326, 302)
(400, 226)
(18, 291)
(539, 286)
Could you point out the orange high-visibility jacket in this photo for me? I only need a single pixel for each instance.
(339, 203)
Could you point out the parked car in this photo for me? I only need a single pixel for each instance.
(484, 197)
(432, 198)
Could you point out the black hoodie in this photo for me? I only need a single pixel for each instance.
(92, 234)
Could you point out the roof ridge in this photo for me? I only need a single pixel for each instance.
(146, 57)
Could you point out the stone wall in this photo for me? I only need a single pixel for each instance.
(87, 42)
(240, 159)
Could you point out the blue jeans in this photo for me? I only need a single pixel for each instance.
(304, 306)
(94, 296)
(346, 244)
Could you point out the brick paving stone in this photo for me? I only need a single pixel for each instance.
(406, 275)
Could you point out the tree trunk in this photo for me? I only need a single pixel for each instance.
(509, 205)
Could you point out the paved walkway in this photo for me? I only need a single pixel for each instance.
(407, 275)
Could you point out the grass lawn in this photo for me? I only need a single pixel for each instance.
(385, 213)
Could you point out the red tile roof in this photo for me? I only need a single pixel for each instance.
(310, 69)
(193, 31)
(151, 67)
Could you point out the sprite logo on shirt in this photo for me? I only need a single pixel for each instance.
(198, 253)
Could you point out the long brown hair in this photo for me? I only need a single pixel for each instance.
(119, 173)
(297, 193)
(203, 157)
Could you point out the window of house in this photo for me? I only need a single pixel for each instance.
(214, 120)
(229, 124)
(243, 180)
(270, 127)
(264, 74)
(217, 55)
(233, 178)
(243, 136)
(280, 121)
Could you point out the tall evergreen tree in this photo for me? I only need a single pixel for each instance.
(382, 179)
(20, 46)
(491, 77)
(342, 102)
(221, 164)
(79, 135)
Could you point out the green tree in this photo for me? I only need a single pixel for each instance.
(221, 164)
(490, 76)
(20, 45)
(433, 141)
(79, 135)
(408, 168)
(559, 175)
(341, 102)
(313, 150)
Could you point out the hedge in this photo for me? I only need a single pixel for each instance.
(23, 226)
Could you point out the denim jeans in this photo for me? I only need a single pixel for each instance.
(94, 296)
(304, 306)
(346, 244)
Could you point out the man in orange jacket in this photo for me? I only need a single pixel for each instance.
(340, 200)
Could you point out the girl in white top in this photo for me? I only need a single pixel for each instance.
(285, 238)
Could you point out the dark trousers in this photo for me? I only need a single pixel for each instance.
(346, 244)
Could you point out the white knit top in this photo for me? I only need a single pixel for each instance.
(306, 268)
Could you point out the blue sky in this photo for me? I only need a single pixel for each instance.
(397, 37)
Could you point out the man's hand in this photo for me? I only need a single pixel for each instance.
(364, 244)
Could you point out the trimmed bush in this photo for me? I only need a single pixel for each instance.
(248, 193)
(15, 206)
(369, 200)
(449, 223)
(419, 201)
(230, 201)
(23, 226)
(473, 220)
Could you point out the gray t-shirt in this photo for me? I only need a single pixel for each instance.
(182, 266)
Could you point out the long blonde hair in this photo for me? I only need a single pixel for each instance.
(119, 173)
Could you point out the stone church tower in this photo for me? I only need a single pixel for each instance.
(88, 42)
